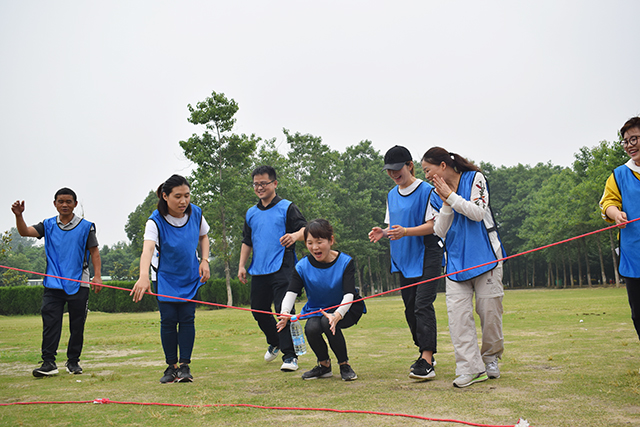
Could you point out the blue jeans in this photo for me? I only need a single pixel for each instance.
(177, 330)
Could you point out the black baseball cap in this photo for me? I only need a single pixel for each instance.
(396, 158)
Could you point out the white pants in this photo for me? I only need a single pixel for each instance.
(489, 292)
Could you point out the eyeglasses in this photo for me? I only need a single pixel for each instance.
(630, 142)
(261, 184)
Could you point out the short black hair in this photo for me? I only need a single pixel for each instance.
(261, 170)
(319, 228)
(65, 191)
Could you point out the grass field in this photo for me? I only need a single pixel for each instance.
(572, 358)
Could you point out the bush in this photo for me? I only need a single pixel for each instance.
(28, 299)
(20, 300)
(215, 290)
(118, 301)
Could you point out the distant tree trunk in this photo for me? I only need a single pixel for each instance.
(615, 258)
(602, 273)
(511, 276)
(533, 272)
(370, 273)
(549, 275)
(386, 275)
(225, 251)
(363, 291)
(570, 268)
(564, 272)
(586, 259)
(557, 275)
(579, 268)
(526, 273)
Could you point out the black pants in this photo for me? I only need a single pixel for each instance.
(633, 292)
(317, 326)
(419, 299)
(270, 289)
(53, 301)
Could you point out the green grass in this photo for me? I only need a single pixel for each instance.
(571, 359)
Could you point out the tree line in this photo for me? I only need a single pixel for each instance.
(533, 205)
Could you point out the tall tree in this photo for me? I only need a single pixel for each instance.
(220, 183)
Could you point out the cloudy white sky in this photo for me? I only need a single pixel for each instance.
(93, 95)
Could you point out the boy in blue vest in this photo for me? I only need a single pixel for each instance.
(69, 240)
(271, 229)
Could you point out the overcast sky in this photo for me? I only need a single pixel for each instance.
(93, 95)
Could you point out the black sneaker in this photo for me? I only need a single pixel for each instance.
(170, 375)
(73, 367)
(433, 363)
(47, 369)
(347, 373)
(422, 370)
(318, 372)
(184, 374)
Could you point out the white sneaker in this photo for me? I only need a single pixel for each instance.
(493, 371)
(290, 364)
(271, 354)
(468, 379)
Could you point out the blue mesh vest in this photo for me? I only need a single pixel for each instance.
(267, 227)
(66, 252)
(629, 187)
(467, 242)
(323, 286)
(407, 253)
(178, 273)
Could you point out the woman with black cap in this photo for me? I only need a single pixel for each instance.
(416, 253)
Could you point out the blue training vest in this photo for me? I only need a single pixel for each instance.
(178, 272)
(629, 187)
(267, 227)
(323, 286)
(66, 252)
(407, 253)
(467, 242)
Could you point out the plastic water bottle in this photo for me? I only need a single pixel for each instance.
(297, 335)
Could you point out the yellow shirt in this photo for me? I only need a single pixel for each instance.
(612, 196)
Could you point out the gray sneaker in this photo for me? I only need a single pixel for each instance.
(271, 354)
(289, 364)
(467, 379)
(493, 371)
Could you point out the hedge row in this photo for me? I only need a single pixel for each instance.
(28, 299)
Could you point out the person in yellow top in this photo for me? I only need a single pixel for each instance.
(621, 203)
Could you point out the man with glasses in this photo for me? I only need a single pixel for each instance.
(621, 203)
(271, 229)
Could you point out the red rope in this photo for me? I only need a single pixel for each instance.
(246, 405)
(354, 301)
